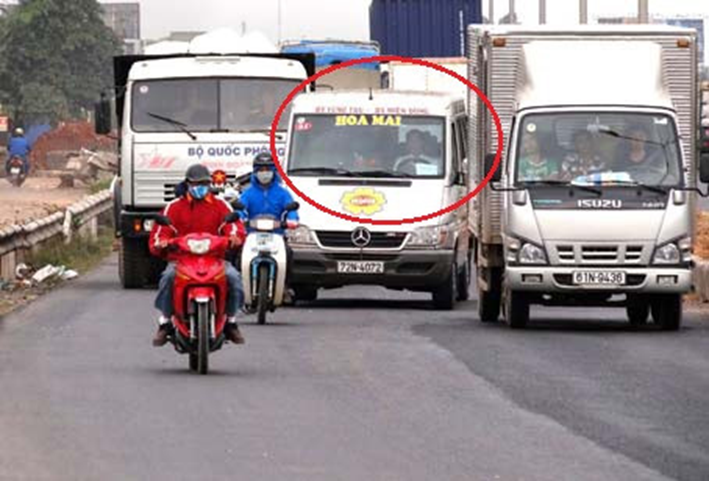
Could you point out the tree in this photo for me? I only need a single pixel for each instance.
(55, 58)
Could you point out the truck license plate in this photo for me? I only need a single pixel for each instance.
(599, 278)
(360, 267)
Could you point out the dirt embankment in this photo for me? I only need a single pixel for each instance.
(36, 198)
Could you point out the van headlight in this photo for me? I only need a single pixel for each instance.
(674, 252)
(301, 235)
(441, 236)
(532, 254)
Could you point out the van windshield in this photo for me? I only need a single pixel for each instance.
(209, 104)
(598, 148)
(364, 144)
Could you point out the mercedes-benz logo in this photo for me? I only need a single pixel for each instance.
(361, 237)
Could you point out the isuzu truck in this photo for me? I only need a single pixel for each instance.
(593, 201)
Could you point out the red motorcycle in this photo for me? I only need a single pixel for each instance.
(199, 294)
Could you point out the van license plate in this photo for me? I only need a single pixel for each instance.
(360, 267)
(599, 278)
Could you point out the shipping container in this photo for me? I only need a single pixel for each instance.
(423, 28)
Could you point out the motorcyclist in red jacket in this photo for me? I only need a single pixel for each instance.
(197, 211)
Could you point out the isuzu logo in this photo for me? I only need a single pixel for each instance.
(361, 237)
(600, 203)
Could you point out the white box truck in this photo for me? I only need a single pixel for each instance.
(593, 203)
(179, 109)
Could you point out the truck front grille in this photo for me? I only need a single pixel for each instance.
(343, 240)
(598, 254)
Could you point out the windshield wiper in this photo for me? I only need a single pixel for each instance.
(379, 173)
(323, 171)
(180, 125)
(562, 183)
(633, 183)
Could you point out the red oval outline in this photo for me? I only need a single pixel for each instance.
(387, 58)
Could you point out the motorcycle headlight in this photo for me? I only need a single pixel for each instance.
(434, 236)
(199, 247)
(264, 224)
(667, 254)
(532, 254)
(301, 235)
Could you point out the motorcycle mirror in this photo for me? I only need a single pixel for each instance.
(237, 205)
(293, 206)
(232, 217)
(162, 220)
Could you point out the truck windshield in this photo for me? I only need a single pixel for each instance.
(362, 145)
(598, 148)
(209, 105)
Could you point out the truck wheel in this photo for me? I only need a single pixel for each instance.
(445, 295)
(516, 309)
(305, 293)
(489, 301)
(638, 310)
(464, 281)
(132, 263)
(667, 311)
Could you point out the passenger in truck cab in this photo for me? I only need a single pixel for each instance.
(643, 158)
(584, 160)
(533, 164)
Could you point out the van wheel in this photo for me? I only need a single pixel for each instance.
(489, 301)
(516, 309)
(638, 310)
(445, 295)
(464, 280)
(667, 311)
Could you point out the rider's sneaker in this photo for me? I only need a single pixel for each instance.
(161, 335)
(288, 297)
(232, 332)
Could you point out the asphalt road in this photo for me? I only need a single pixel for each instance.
(349, 389)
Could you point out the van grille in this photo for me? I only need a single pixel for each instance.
(343, 240)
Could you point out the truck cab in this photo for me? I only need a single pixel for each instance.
(384, 155)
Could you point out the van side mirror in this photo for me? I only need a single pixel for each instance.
(102, 116)
(704, 167)
(489, 162)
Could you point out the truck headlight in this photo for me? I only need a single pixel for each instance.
(301, 235)
(434, 236)
(667, 254)
(532, 254)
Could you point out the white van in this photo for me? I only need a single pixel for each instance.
(380, 155)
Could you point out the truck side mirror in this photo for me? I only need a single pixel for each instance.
(102, 116)
(704, 167)
(489, 162)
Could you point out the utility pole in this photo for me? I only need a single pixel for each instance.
(643, 11)
(542, 12)
(583, 12)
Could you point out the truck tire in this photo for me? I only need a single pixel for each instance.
(489, 301)
(133, 263)
(445, 295)
(667, 311)
(638, 310)
(516, 309)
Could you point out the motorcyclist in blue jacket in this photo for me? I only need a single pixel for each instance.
(18, 147)
(267, 196)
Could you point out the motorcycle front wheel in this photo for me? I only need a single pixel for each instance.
(203, 338)
(262, 303)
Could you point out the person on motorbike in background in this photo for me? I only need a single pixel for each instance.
(266, 195)
(196, 211)
(18, 147)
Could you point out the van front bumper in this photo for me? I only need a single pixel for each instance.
(416, 270)
(640, 280)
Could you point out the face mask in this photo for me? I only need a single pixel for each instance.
(265, 177)
(199, 192)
